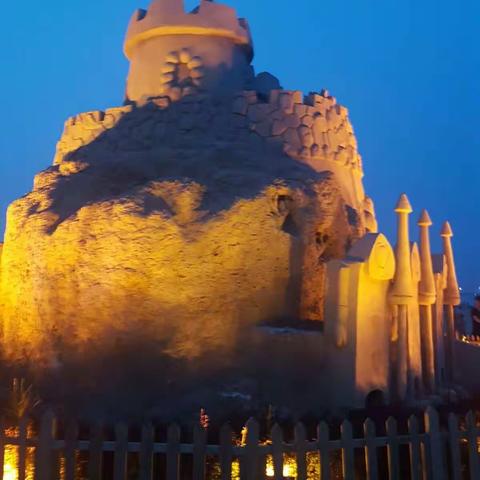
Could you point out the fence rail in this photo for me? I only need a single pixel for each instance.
(425, 452)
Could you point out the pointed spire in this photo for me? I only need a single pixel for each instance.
(402, 288)
(426, 290)
(403, 205)
(424, 220)
(452, 292)
(447, 231)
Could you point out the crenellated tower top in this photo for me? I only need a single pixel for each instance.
(169, 18)
(175, 53)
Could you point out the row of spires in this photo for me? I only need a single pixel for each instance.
(405, 293)
(403, 288)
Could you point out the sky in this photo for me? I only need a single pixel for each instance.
(407, 70)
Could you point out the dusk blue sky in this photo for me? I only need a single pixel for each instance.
(408, 70)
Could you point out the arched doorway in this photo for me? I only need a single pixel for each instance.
(375, 399)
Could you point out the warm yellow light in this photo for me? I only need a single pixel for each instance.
(10, 465)
(235, 470)
(10, 471)
(289, 467)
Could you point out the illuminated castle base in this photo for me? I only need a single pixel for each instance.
(219, 216)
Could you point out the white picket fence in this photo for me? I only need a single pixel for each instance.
(433, 453)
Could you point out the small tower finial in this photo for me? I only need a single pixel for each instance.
(447, 231)
(424, 220)
(403, 205)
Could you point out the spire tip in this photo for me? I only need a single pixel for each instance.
(403, 205)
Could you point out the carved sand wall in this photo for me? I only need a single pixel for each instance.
(183, 221)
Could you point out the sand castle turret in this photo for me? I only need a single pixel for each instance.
(452, 292)
(426, 299)
(174, 53)
(402, 289)
(451, 298)
(427, 291)
(403, 299)
(401, 295)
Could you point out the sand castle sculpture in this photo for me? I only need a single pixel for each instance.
(216, 208)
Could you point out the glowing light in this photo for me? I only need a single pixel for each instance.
(10, 465)
(10, 471)
(289, 467)
(236, 470)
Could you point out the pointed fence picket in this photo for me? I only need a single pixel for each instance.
(324, 450)
(45, 461)
(95, 457)
(249, 464)
(415, 449)
(121, 451)
(226, 452)
(472, 436)
(277, 452)
(427, 446)
(22, 448)
(392, 449)
(199, 452)
(2, 444)
(173, 452)
(71, 435)
(371, 460)
(301, 451)
(454, 444)
(146, 452)
(432, 428)
(348, 460)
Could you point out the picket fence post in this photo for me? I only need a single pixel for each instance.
(392, 449)
(250, 464)
(121, 450)
(371, 462)
(2, 444)
(348, 463)
(277, 452)
(71, 436)
(301, 451)
(415, 449)
(146, 452)
(95, 452)
(199, 452)
(225, 452)
(432, 428)
(454, 442)
(173, 452)
(44, 467)
(472, 434)
(324, 449)
(22, 448)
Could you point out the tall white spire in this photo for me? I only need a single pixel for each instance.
(401, 296)
(426, 298)
(427, 293)
(451, 298)
(452, 292)
(402, 289)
